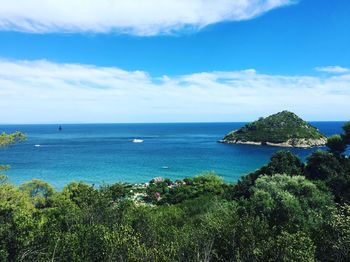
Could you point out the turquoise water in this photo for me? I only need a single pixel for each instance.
(104, 153)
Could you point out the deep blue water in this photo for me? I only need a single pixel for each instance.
(104, 153)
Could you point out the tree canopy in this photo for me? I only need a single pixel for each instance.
(8, 139)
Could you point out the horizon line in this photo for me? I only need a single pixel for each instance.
(178, 122)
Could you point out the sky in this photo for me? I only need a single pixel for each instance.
(111, 61)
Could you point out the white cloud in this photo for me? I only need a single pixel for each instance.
(46, 92)
(333, 69)
(145, 17)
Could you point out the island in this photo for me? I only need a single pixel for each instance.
(284, 129)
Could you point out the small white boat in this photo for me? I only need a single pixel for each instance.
(37, 145)
(137, 140)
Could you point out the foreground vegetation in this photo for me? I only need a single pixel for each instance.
(285, 211)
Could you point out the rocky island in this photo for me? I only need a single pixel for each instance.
(284, 129)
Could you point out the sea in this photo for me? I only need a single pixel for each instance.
(104, 153)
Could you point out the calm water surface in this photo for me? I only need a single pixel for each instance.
(104, 153)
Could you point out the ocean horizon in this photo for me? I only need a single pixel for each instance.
(104, 153)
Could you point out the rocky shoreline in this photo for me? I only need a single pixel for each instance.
(295, 142)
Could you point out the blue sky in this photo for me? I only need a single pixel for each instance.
(216, 63)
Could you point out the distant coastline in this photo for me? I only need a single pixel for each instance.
(299, 143)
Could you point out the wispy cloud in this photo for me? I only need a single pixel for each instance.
(42, 91)
(333, 69)
(146, 17)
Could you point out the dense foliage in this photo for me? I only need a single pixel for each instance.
(276, 128)
(8, 139)
(286, 211)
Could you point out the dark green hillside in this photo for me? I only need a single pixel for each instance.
(277, 128)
